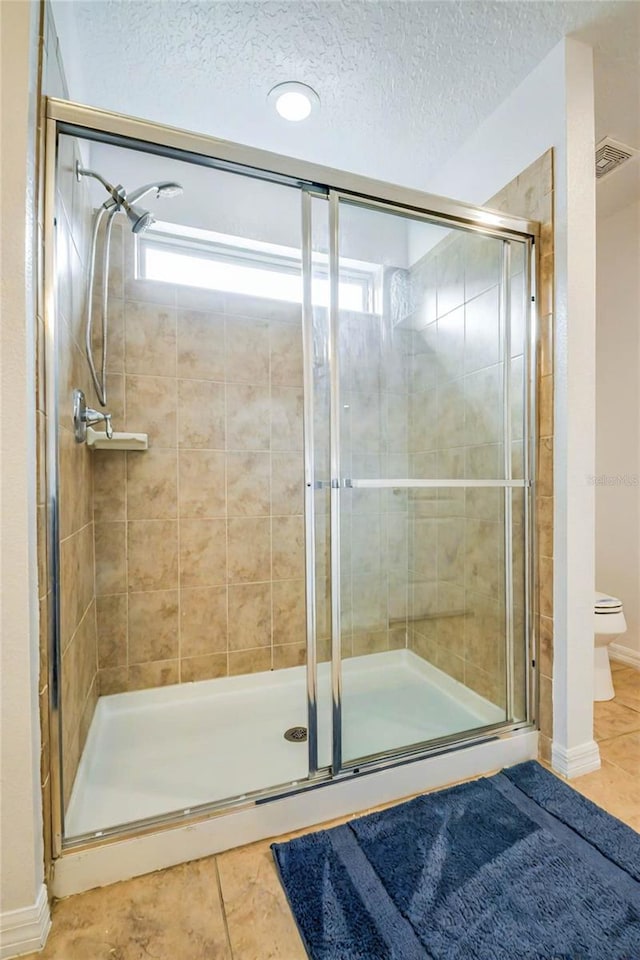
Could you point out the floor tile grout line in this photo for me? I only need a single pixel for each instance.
(616, 735)
(618, 767)
(223, 907)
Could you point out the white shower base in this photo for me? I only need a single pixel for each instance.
(152, 752)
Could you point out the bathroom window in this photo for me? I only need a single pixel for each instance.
(201, 258)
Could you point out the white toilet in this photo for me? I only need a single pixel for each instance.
(609, 623)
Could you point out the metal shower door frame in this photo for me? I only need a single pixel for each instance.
(508, 484)
(64, 117)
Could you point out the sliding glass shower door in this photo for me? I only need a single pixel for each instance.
(429, 482)
(306, 549)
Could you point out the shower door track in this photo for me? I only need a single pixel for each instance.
(93, 123)
(313, 181)
(385, 760)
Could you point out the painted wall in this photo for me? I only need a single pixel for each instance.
(23, 901)
(618, 414)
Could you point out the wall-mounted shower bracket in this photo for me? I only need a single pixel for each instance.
(84, 416)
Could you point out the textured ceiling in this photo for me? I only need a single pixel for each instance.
(402, 84)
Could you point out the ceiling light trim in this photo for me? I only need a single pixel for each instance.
(294, 101)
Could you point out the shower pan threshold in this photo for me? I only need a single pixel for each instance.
(153, 752)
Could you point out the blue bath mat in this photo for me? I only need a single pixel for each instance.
(514, 867)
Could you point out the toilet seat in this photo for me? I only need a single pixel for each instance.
(604, 604)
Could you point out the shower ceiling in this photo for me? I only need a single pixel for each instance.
(397, 80)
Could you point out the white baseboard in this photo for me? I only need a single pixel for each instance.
(575, 761)
(25, 930)
(617, 651)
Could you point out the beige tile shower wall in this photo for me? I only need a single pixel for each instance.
(78, 639)
(456, 549)
(374, 545)
(200, 539)
(456, 546)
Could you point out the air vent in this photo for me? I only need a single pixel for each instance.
(610, 154)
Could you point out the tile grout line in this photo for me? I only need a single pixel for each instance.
(174, 307)
(226, 505)
(269, 344)
(126, 569)
(126, 467)
(223, 908)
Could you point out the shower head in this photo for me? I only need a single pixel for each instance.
(164, 188)
(139, 218)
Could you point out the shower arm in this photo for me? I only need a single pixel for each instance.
(117, 194)
(118, 199)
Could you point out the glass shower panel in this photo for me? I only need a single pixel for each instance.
(312, 519)
(318, 387)
(424, 398)
(518, 679)
(519, 386)
(182, 556)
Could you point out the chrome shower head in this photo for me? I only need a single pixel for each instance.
(139, 219)
(169, 189)
(163, 188)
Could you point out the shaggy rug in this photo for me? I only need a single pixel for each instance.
(517, 866)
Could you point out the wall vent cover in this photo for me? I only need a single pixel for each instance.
(610, 154)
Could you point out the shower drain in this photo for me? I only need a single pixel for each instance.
(296, 734)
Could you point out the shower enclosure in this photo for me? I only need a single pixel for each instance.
(306, 552)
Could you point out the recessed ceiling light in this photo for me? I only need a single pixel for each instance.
(294, 101)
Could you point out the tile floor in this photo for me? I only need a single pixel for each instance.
(616, 786)
(232, 907)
